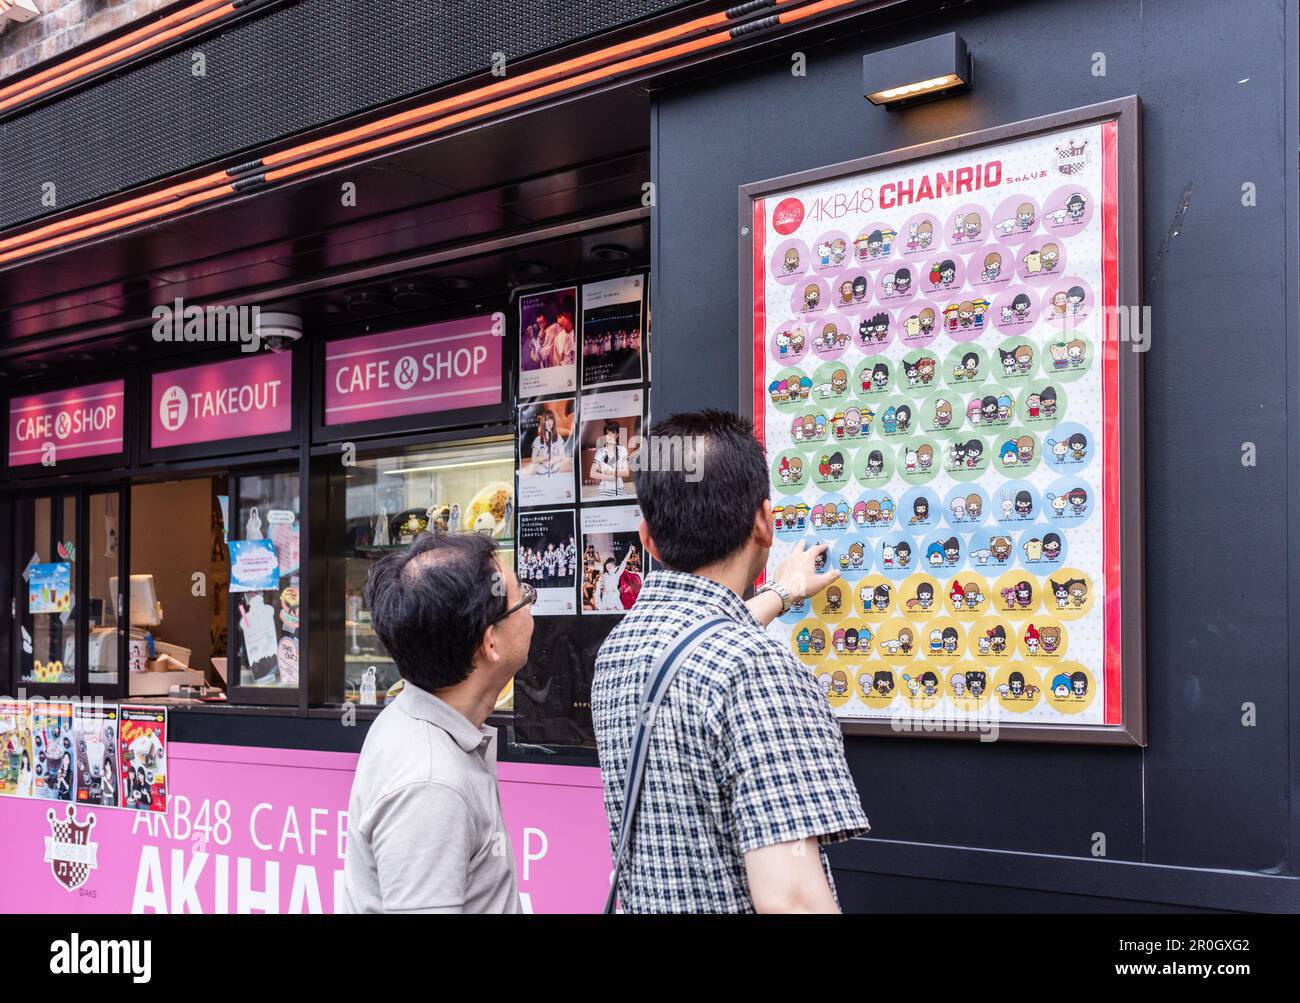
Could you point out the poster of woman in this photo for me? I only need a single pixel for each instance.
(548, 342)
(614, 564)
(546, 441)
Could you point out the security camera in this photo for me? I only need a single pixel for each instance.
(278, 331)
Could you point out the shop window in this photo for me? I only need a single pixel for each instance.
(265, 556)
(176, 632)
(48, 612)
(385, 502)
(103, 559)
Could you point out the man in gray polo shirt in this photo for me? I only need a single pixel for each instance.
(425, 832)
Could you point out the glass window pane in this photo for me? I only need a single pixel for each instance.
(48, 612)
(391, 499)
(102, 555)
(264, 575)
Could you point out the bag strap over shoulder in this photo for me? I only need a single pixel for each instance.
(656, 686)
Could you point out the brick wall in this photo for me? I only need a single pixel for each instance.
(62, 25)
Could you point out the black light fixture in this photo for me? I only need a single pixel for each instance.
(916, 72)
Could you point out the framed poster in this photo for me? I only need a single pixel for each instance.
(941, 350)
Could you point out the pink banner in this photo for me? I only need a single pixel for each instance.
(67, 424)
(222, 400)
(265, 830)
(419, 370)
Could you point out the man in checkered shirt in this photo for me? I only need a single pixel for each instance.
(745, 778)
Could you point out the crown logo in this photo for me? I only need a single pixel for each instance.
(1072, 158)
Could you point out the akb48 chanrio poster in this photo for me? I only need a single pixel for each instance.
(932, 385)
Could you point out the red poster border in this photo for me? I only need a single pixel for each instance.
(1113, 712)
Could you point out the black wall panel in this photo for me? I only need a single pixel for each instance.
(291, 69)
(1207, 792)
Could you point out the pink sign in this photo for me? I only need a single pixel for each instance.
(67, 424)
(437, 367)
(222, 400)
(265, 830)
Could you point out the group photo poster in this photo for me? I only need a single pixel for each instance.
(614, 564)
(546, 557)
(612, 327)
(547, 436)
(939, 398)
(548, 342)
(610, 442)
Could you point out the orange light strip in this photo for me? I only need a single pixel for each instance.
(153, 41)
(297, 160)
(222, 179)
(65, 68)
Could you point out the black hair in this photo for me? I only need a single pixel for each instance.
(698, 520)
(431, 603)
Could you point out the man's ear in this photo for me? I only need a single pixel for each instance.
(647, 543)
(486, 653)
(763, 531)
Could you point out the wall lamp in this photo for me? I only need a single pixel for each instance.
(919, 71)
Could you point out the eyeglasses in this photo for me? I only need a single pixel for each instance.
(530, 597)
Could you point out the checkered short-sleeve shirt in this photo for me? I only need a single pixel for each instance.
(745, 751)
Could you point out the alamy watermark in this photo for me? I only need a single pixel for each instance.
(189, 323)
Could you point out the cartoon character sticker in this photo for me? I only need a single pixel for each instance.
(964, 367)
(966, 459)
(1041, 404)
(896, 284)
(992, 639)
(1016, 219)
(1070, 688)
(810, 297)
(832, 335)
(919, 323)
(1068, 501)
(922, 235)
(1015, 360)
(876, 597)
(919, 460)
(831, 251)
(789, 390)
(1016, 309)
(965, 506)
(790, 473)
(991, 268)
(945, 273)
(922, 686)
(1042, 548)
(873, 377)
(810, 640)
(1068, 593)
(874, 331)
(790, 261)
(896, 639)
(1069, 447)
(874, 242)
(1017, 593)
(874, 465)
(1067, 357)
(968, 687)
(836, 685)
(1017, 453)
(1068, 305)
(1018, 687)
(877, 686)
(1043, 640)
(1041, 260)
(1067, 211)
(968, 226)
(789, 343)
